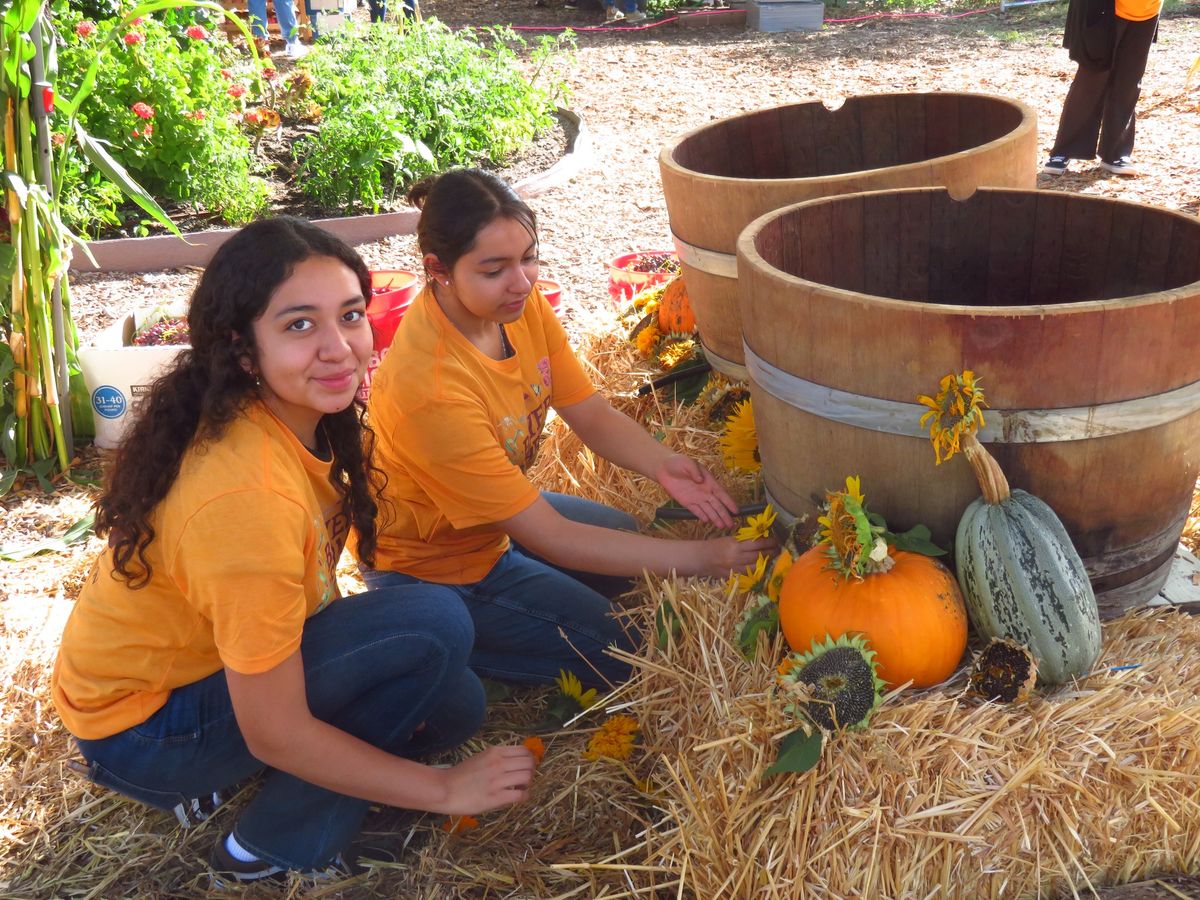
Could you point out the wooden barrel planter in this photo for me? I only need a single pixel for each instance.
(1081, 316)
(719, 177)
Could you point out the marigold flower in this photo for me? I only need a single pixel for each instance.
(197, 32)
(86, 28)
(459, 824)
(133, 38)
(536, 746)
(143, 110)
(647, 340)
(758, 527)
(236, 90)
(614, 740)
(739, 443)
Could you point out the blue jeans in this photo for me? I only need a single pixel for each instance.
(376, 665)
(521, 606)
(285, 13)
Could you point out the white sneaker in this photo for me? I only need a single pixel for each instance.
(295, 50)
(612, 14)
(636, 16)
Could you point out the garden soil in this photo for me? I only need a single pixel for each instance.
(635, 89)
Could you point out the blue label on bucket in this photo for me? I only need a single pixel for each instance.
(108, 402)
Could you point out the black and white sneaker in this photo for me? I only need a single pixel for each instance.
(228, 870)
(1056, 165)
(192, 812)
(1123, 166)
(354, 861)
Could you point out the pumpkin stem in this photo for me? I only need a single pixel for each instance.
(987, 471)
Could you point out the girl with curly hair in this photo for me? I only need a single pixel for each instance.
(210, 641)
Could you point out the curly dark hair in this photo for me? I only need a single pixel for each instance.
(209, 384)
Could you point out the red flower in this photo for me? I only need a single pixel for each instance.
(252, 118)
(197, 33)
(236, 90)
(58, 139)
(227, 75)
(146, 132)
(138, 21)
(270, 73)
(142, 110)
(133, 38)
(196, 114)
(86, 28)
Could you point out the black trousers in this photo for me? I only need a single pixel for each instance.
(1099, 112)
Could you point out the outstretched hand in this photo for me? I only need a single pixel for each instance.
(690, 484)
(498, 776)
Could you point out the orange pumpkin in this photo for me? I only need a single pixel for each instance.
(675, 309)
(913, 615)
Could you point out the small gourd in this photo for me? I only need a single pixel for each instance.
(675, 315)
(1021, 575)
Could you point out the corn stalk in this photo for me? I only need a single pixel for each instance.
(38, 349)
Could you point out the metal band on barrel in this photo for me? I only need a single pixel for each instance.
(710, 261)
(726, 367)
(1004, 426)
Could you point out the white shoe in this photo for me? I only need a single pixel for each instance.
(612, 14)
(295, 50)
(636, 16)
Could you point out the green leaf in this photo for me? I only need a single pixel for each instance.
(765, 619)
(8, 265)
(79, 531)
(115, 172)
(495, 691)
(915, 540)
(42, 469)
(7, 477)
(667, 624)
(17, 185)
(798, 752)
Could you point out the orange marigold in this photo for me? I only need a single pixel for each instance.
(536, 746)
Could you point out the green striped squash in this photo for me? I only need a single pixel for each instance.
(1022, 579)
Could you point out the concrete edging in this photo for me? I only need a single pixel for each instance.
(150, 254)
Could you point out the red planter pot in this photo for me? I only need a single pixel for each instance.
(552, 291)
(624, 282)
(393, 291)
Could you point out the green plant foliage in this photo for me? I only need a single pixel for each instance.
(799, 751)
(400, 103)
(162, 106)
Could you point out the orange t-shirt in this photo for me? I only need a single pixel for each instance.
(456, 430)
(245, 549)
(1138, 10)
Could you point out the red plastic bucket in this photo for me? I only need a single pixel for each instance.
(552, 291)
(393, 291)
(623, 279)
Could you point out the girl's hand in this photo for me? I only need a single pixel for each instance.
(691, 484)
(496, 777)
(720, 556)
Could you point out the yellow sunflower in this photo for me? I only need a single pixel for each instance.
(759, 526)
(614, 739)
(570, 686)
(739, 443)
(750, 579)
(675, 352)
(779, 568)
(957, 410)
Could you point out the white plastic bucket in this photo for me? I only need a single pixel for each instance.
(118, 375)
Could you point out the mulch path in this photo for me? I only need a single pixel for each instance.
(635, 90)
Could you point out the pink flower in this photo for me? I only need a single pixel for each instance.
(146, 132)
(236, 90)
(138, 21)
(196, 114)
(270, 73)
(143, 110)
(133, 38)
(197, 33)
(86, 28)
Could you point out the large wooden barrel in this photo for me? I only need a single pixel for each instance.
(1080, 314)
(719, 177)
